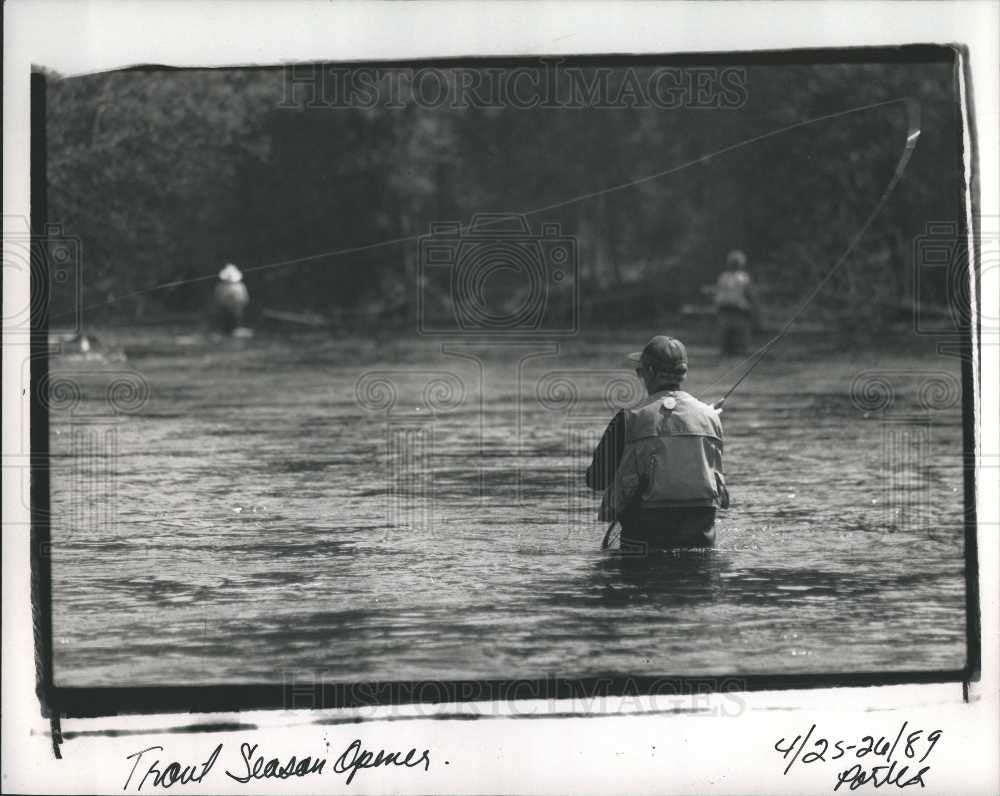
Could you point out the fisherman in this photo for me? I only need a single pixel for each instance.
(660, 462)
(231, 299)
(735, 305)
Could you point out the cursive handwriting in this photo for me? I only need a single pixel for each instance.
(172, 773)
(355, 757)
(887, 752)
(259, 768)
(257, 765)
(857, 776)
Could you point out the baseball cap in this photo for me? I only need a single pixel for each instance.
(663, 354)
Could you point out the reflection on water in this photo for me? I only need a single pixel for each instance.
(276, 510)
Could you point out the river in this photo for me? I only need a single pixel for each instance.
(293, 508)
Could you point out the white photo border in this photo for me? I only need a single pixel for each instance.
(631, 747)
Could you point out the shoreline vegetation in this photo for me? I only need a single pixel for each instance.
(157, 178)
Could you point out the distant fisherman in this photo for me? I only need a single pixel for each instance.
(735, 305)
(231, 298)
(660, 462)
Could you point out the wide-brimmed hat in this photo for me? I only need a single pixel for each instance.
(662, 354)
(231, 274)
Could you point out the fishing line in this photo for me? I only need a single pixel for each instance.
(913, 133)
(534, 211)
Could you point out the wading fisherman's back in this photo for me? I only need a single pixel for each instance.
(660, 462)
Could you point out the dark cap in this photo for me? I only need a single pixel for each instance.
(663, 354)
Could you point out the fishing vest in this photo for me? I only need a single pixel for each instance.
(673, 443)
(731, 290)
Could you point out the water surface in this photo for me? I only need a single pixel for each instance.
(285, 508)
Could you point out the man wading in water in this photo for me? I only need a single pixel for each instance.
(660, 462)
(230, 299)
(735, 305)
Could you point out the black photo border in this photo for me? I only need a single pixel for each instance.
(59, 702)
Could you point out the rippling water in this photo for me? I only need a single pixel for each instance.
(284, 507)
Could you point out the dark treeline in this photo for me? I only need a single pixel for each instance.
(166, 175)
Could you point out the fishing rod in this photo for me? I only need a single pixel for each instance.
(912, 134)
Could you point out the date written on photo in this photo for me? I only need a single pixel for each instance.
(876, 761)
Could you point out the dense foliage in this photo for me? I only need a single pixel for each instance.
(165, 175)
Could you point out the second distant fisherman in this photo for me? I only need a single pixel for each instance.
(735, 305)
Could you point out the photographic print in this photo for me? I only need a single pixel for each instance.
(570, 370)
